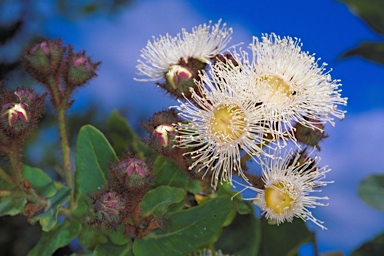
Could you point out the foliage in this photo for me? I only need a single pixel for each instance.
(120, 194)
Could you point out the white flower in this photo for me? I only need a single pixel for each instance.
(221, 122)
(208, 252)
(288, 84)
(204, 43)
(289, 183)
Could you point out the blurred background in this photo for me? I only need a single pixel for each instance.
(114, 32)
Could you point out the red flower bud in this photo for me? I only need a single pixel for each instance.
(43, 59)
(80, 69)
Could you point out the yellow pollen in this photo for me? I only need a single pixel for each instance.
(279, 88)
(228, 122)
(277, 199)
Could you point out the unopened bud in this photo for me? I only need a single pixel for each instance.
(43, 59)
(162, 133)
(80, 69)
(175, 73)
(107, 207)
(310, 136)
(135, 172)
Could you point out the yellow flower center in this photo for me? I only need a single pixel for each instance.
(228, 122)
(280, 90)
(278, 199)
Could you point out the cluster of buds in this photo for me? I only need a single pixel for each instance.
(59, 69)
(21, 110)
(118, 204)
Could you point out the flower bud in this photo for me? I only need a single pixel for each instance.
(175, 73)
(107, 207)
(310, 136)
(162, 133)
(20, 111)
(43, 59)
(135, 172)
(80, 69)
(180, 78)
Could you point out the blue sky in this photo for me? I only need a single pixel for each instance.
(326, 28)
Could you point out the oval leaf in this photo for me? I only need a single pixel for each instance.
(157, 200)
(371, 191)
(375, 247)
(186, 230)
(123, 137)
(371, 11)
(288, 236)
(12, 205)
(169, 173)
(58, 237)
(113, 249)
(93, 153)
(39, 180)
(48, 218)
(242, 237)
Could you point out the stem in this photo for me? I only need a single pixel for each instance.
(5, 176)
(60, 103)
(66, 153)
(32, 196)
(14, 161)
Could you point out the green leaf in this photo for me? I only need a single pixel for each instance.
(48, 218)
(93, 153)
(371, 191)
(186, 230)
(241, 206)
(81, 206)
(58, 237)
(12, 204)
(288, 236)
(40, 181)
(157, 200)
(371, 248)
(194, 186)
(242, 237)
(89, 237)
(113, 249)
(123, 137)
(169, 173)
(6, 181)
(368, 50)
(118, 237)
(371, 11)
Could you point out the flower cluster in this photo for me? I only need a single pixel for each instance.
(238, 106)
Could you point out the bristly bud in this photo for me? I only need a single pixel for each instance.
(181, 78)
(130, 173)
(159, 126)
(163, 117)
(108, 206)
(43, 59)
(20, 111)
(163, 134)
(79, 68)
(310, 136)
(175, 73)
